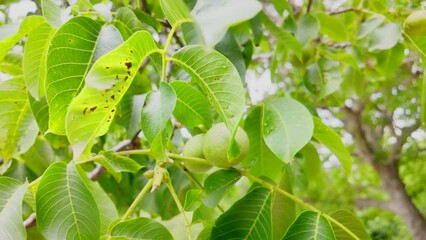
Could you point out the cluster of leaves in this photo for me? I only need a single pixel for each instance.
(145, 73)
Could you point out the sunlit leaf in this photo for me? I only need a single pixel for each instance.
(312, 166)
(140, 228)
(91, 112)
(34, 64)
(18, 128)
(283, 208)
(192, 107)
(248, 218)
(11, 195)
(214, 17)
(325, 135)
(192, 200)
(310, 225)
(12, 64)
(175, 11)
(127, 22)
(217, 183)
(287, 127)
(68, 61)
(332, 27)
(368, 26)
(52, 13)
(392, 31)
(27, 25)
(65, 207)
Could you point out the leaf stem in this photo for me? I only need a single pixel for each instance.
(135, 203)
(181, 209)
(297, 200)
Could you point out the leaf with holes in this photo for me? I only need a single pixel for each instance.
(310, 225)
(11, 196)
(91, 112)
(253, 215)
(65, 207)
(18, 128)
(68, 61)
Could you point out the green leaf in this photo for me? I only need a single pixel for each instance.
(192, 107)
(217, 183)
(39, 157)
(291, 43)
(229, 47)
(68, 61)
(312, 166)
(65, 207)
(287, 127)
(176, 11)
(392, 31)
(264, 161)
(325, 135)
(156, 112)
(131, 108)
(370, 25)
(221, 83)
(52, 13)
(310, 225)
(388, 61)
(192, 200)
(107, 210)
(12, 64)
(11, 196)
(283, 208)
(35, 59)
(323, 78)
(351, 222)
(248, 218)
(109, 38)
(18, 128)
(307, 29)
(26, 26)
(140, 228)
(214, 17)
(127, 22)
(116, 164)
(332, 27)
(91, 112)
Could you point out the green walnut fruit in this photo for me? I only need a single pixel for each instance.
(193, 148)
(216, 143)
(415, 24)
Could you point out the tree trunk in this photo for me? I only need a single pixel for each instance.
(400, 202)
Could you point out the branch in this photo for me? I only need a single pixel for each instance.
(400, 141)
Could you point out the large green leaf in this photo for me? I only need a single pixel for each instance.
(26, 26)
(332, 27)
(287, 127)
(35, 57)
(18, 128)
(65, 207)
(91, 112)
(11, 196)
(68, 61)
(310, 225)
(248, 218)
(312, 165)
(39, 157)
(351, 222)
(127, 22)
(140, 228)
(219, 80)
(214, 17)
(388, 61)
(192, 107)
(176, 11)
(52, 13)
(217, 183)
(325, 135)
(262, 161)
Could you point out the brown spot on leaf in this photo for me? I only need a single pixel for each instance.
(128, 65)
(113, 97)
(128, 73)
(93, 108)
(107, 67)
(126, 77)
(84, 111)
(113, 110)
(116, 77)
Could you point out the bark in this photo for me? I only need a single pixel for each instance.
(400, 202)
